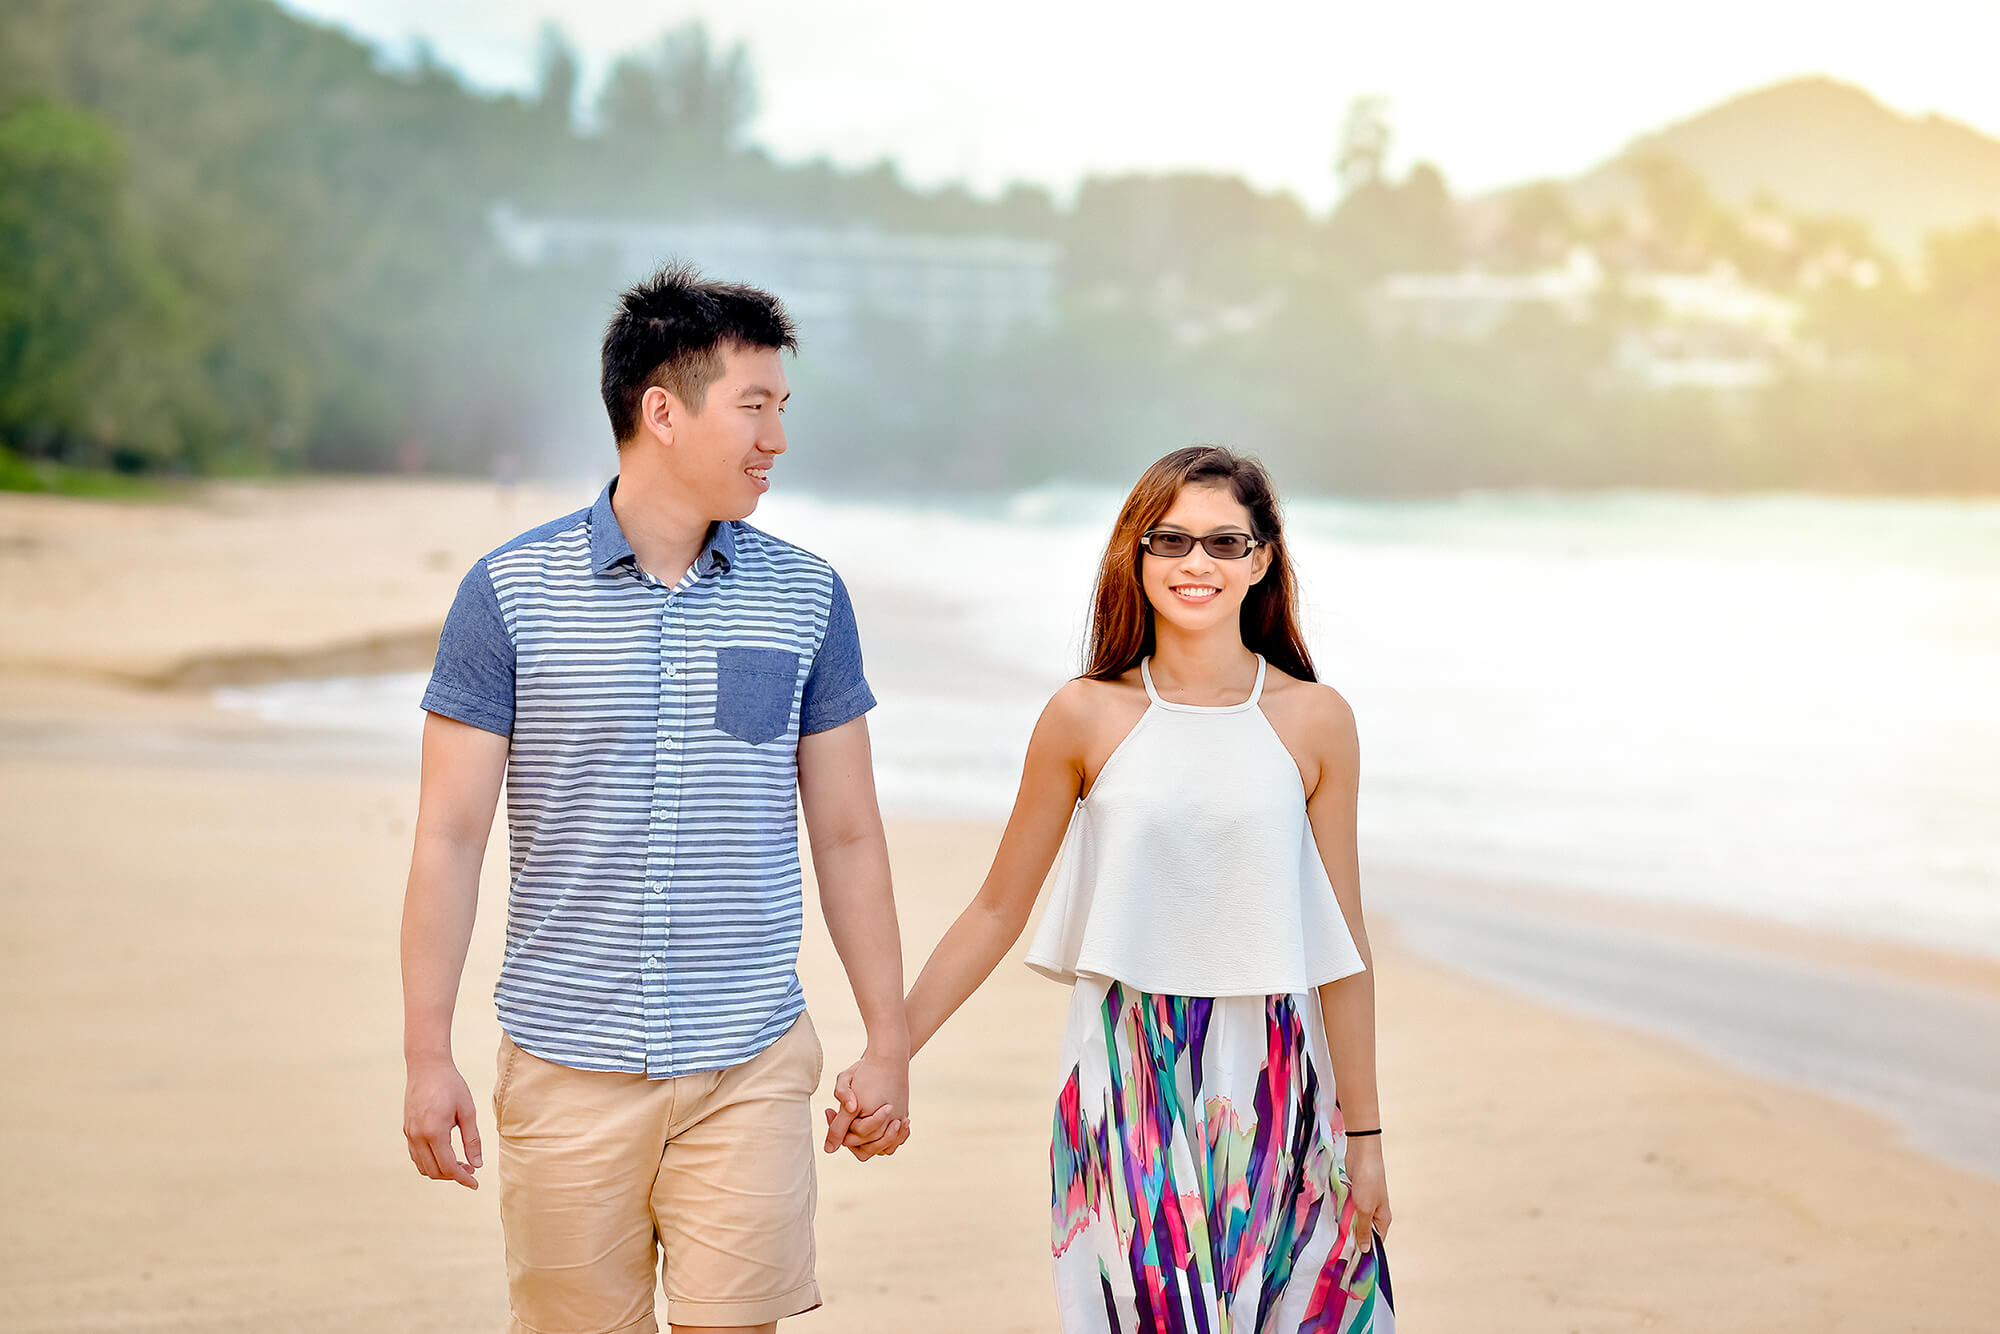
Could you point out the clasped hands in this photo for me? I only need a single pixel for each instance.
(871, 1112)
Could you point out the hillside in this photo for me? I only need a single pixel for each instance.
(1827, 148)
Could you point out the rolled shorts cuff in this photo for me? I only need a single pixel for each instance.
(798, 1301)
(646, 1324)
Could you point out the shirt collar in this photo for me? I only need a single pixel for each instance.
(609, 549)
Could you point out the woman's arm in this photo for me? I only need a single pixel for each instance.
(1348, 1004)
(1051, 779)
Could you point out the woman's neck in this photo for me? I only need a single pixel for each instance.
(1207, 662)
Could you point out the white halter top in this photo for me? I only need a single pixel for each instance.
(1190, 867)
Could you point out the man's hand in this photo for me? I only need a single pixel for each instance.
(435, 1099)
(851, 861)
(872, 1117)
(463, 768)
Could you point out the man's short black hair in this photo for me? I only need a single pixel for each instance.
(670, 332)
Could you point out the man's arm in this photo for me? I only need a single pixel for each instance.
(851, 859)
(462, 770)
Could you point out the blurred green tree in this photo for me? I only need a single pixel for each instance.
(555, 77)
(90, 323)
(687, 102)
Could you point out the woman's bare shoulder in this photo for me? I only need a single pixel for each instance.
(1313, 711)
(1083, 701)
(1087, 718)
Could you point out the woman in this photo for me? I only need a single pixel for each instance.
(1207, 910)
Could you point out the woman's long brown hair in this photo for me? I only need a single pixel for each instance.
(1121, 620)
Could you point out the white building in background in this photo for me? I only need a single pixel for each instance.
(1704, 330)
(1471, 304)
(957, 290)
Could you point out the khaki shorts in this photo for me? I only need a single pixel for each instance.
(712, 1173)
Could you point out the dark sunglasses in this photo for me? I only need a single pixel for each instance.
(1222, 546)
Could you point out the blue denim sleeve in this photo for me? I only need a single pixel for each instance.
(836, 692)
(473, 679)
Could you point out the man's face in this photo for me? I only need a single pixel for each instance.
(723, 453)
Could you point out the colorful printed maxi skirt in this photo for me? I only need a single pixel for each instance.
(1197, 1170)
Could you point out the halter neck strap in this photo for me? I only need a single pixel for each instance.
(1153, 693)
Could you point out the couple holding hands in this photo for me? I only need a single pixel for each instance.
(661, 688)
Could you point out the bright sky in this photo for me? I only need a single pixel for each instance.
(1052, 90)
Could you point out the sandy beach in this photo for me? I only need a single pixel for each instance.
(201, 1127)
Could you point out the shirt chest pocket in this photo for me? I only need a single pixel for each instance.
(753, 692)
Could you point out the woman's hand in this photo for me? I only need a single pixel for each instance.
(1367, 1189)
(871, 1118)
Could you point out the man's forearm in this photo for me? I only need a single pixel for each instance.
(438, 911)
(860, 909)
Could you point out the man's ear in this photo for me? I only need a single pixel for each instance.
(659, 413)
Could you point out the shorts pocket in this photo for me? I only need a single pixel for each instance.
(503, 1077)
(819, 1051)
(753, 692)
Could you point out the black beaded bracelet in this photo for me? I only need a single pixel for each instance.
(1357, 1134)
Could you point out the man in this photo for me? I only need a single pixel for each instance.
(662, 686)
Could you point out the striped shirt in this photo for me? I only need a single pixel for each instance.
(654, 910)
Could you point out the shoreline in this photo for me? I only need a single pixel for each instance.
(363, 655)
(1907, 1035)
(159, 596)
(1771, 937)
(183, 696)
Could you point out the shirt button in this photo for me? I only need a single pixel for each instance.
(667, 741)
(653, 960)
(673, 669)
